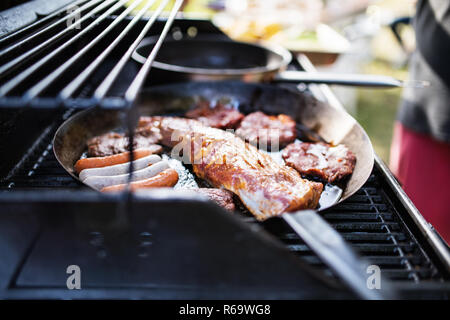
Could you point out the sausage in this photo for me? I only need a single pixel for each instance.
(166, 178)
(119, 168)
(99, 182)
(98, 162)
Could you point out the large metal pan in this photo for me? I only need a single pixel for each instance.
(332, 125)
(211, 58)
(320, 118)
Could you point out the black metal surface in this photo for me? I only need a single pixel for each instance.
(152, 248)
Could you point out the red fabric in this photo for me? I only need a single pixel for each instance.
(422, 165)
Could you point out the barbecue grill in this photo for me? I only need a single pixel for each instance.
(133, 247)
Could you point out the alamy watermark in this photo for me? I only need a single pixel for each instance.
(374, 280)
(73, 17)
(74, 280)
(193, 148)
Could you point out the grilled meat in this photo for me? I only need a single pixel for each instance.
(265, 187)
(320, 160)
(220, 116)
(222, 197)
(114, 143)
(150, 122)
(263, 130)
(164, 179)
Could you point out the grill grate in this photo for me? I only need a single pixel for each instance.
(76, 41)
(367, 220)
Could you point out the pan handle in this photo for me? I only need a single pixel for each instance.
(329, 245)
(346, 79)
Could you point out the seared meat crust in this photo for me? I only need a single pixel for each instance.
(264, 130)
(220, 116)
(222, 197)
(265, 187)
(320, 160)
(113, 142)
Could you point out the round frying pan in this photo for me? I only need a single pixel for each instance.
(211, 58)
(318, 118)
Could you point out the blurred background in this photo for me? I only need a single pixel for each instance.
(339, 36)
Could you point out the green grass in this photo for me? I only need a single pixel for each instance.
(377, 108)
(376, 112)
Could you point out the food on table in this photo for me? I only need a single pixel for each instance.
(219, 116)
(99, 182)
(98, 162)
(113, 142)
(166, 178)
(119, 169)
(265, 187)
(320, 160)
(222, 197)
(265, 130)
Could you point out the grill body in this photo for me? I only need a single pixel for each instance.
(181, 248)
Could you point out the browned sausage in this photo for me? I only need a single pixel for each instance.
(98, 162)
(166, 178)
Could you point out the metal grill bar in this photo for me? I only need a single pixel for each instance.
(398, 248)
(10, 66)
(30, 86)
(40, 86)
(103, 88)
(9, 37)
(72, 86)
(133, 89)
(27, 72)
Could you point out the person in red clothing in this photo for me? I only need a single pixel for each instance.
(420, 151)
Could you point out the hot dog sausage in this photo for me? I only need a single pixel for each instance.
(166, 178)
(99, 182)
(119, 168)
(98, 162)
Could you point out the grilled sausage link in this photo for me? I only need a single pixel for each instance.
(119, 168)
(98, 162)
(166, 178)
(99, 182)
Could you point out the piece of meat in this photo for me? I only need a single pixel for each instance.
(149, 121)
(113, 143)
(99, 182)
(120, 158)
(165, 179)
(320, 160)
(272, 132)
(265, 187)
(222, 197)
(174, 129)
(119, 169)
(220, 116)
